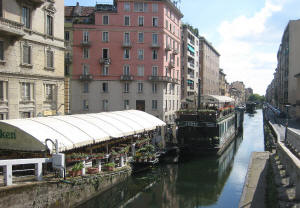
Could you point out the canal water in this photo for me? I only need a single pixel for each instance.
(201, 182)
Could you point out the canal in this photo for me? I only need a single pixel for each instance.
(201, 182)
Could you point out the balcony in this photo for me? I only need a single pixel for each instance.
(86, 77)
(171, 65)
(175, 81)
(191, 76)
(36, 3)
(160, 79)
(85, 44)
(105, 61)
(155, 45)
(168, 48)
(126, 45)
(191, 65)
(11, 28)
(175, 51)
(126, 78)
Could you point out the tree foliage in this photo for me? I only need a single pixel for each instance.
(256, 98)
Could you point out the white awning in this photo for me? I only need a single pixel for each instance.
(73, 131)
(216, 99)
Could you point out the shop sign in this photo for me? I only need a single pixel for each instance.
(7, 135)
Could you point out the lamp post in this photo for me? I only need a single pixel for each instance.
(287, 122)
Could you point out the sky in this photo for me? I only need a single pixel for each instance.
(247, 34)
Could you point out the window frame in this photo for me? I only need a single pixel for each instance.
(27, 22)
(104, 21)
(126, 17)
(105, 36)
(49, 27)
(143, 21)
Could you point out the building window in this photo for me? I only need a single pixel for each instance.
(105, 53)
(126, 104)
(49, 92)
(126, 53)
(127, 38)
(85, 104)
(105, 36)
(140, 54)
(105, 87)
(85, 69)
(140, 71)
(154, 88)
(154, 7)
(85, 36)
(105, 20)
(140, 87)
(140, 37)
(50, 59)
(25, 115)
(154, 104)
(1, 90)
(26, 17)
(1, 15)
(126, 70)
(26, 54)
(126, 20)
(154, 54)
(85, 53)
(140, 7)
(154, 38)
(105, 71)
(126, 87)
(141, 21)
(155, 21)
(127, 6)
(1, 50)
(85, 87)
(105, 105)
(67, 35)
(49, 25)
(154, 70)
(25, 91)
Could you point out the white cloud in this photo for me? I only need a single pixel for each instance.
(246, 53)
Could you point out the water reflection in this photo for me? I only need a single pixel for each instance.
(201, 182)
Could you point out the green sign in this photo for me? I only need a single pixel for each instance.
(7, 135)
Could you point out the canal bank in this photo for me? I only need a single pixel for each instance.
(202, 182)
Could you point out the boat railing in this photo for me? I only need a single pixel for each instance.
(209, 115)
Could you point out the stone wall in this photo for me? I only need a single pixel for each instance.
(62, 194)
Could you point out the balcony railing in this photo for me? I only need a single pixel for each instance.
(171, 64)
(86, 77)
(126, 45)
(85, 43)
(126, 77)
(191, 76)
(175, 51)
(168, 47)
(160, 78)
(175, 81)
(191, 65)
(105, 61)
(155, 45)
(11, 28)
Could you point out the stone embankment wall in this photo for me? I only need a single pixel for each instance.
(60, 194)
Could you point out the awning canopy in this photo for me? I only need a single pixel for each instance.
(191, 48)
(74, 131)
(216, 99)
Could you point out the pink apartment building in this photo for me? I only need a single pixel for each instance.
(126, 56)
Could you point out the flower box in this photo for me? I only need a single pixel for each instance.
(92, 170)
(75, 173)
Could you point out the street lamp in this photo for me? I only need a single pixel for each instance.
(287, 122)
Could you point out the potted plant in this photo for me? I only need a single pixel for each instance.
(76, 169)
(92, 170)
(110, 166)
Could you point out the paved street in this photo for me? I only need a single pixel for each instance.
(279, 123)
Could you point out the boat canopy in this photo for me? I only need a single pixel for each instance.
(216, 99)
(74, 131)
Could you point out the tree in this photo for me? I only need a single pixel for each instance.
(256, 98)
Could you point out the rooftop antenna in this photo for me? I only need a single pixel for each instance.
(177, 2)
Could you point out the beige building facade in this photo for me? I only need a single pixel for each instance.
(31, 58)
(209, 68)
